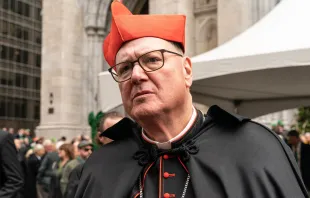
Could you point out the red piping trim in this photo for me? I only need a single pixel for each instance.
(183, 165)
(144, 176)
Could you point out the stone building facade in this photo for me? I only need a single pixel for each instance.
(20, 63)
(73, 32)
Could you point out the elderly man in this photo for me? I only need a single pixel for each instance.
(33, 163)
(172, 149)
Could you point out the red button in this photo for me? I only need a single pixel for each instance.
(166, 175)
(166, 157)
(167, 195)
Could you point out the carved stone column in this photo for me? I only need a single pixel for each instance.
(62, 70)
(95, 18)
(206, 33)
(185, 7)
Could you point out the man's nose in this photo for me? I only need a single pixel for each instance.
(138, 73)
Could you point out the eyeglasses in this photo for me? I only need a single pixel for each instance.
(149, 62)
(88, 149)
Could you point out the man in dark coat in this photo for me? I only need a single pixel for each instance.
(46, 173)
(301, 153)
(33, 163)
(172, 149)
(11, 177)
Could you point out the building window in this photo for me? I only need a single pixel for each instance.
(10, 108)
(4, 52)
(26, 35)
(4, 27)
(21, 80)
(26, 10)
(25, 81)
(3, 77)
(18, 80)
(37, 83)
(13, 107)
(37, 110)
(37, 36)
(20, 8)
(6, 78)
(19, 33)
(2, 106)
(5, 4)
(13, 5)
(17, 55)
(38, 14)
(38, 60)
(25, 56)
(10, 78)
(24, 108)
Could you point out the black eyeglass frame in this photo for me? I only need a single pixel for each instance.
(87, 149)
(138, 60)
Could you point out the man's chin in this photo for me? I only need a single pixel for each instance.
(144, 110)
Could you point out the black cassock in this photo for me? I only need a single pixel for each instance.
(225, 156)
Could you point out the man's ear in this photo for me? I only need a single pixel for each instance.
(188, 72)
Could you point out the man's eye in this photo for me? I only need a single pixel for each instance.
(123, 70)
(152, 59)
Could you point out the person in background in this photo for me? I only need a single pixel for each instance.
(11, 175)
(280, 130)
(61, 141)
(69, 179)
(107, 121)
(66, 154)
(11, 131)
(45, 172)
(33, 163)
(48, 145)
(301, 152)
(21, 155)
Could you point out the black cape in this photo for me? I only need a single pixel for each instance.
(235, 158)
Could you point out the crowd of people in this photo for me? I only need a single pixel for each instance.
(45, 168)
(51, 169)
(300, 146)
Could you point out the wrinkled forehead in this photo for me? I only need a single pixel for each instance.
(140, 46)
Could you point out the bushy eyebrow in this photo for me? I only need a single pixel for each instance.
(126, 57)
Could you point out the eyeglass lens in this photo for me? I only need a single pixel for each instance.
(149, 62)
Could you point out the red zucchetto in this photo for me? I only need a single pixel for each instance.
(126, 27)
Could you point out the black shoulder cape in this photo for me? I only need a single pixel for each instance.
(237, 158)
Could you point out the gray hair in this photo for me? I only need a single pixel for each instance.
(47, 142)
(38, 147)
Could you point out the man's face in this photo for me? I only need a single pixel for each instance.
(49, 148)
(293, 140)
(86, 151)
(152, 93)
(11, 130)
(41, 152)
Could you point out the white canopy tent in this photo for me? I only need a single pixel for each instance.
(110, 97)
(263, 70)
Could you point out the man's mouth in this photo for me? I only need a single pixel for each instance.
(141, 93)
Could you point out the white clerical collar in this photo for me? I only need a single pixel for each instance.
(167, 145)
